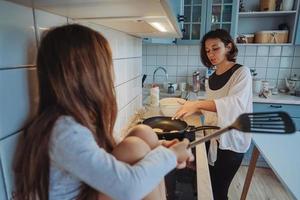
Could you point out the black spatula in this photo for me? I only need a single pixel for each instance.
(261, 122)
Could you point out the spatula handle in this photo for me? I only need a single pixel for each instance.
(208, 137)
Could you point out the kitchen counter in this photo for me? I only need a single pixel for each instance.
(280, 152)
(204, 190)
(280, 98)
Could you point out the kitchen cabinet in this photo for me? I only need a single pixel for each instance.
(292, 110)
(202, 16)
(253, 20)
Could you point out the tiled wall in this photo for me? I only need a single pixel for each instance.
(272, 63)
(20, 29)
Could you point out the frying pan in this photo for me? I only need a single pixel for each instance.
(173, 128)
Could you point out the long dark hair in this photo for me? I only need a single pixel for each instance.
(75, 75)
(225, 37)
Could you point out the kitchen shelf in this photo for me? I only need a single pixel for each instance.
(256, 14)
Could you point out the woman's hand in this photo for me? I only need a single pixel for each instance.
(187, 109)
(168, 143)
(182, 153)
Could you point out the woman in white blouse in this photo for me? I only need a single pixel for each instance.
(229, 93)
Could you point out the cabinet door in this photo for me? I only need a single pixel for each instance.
(222, 14)
(194, 21)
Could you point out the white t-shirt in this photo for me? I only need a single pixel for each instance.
(231, 100)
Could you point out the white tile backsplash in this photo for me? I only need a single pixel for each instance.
(171, 60)
(194, 50)
(162, 50)
(7, 151)
(286, 62)
(284, 73)
(296, 62)
(161, 60)
(151, 50)
(242, 50)
(240, 59)
(261, 57)
(262, 51)
(251, 51)
(297, 51)
(250, 61)
(193, 60)
(261, 62)
(272, 73)
(17, 35)
(2, 186)
(172, 50)
(261, 72)
(172, 70)
(274, 62)
(287, 51)
(18, 80)
(275, 51)
(151, 60)
(144, 50)
(45, 20)
(182, 60)
(182, 71)
(18, 100)
(183, 50)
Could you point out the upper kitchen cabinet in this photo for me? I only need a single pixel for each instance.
(142, 18)
(202, 16)
(269, 23)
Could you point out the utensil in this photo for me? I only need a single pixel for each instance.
(261, 122)
(173, 128)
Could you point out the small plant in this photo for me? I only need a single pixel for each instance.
(253, 73)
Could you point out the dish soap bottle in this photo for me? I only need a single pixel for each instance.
(154, 95)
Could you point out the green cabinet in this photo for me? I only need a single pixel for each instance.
(202, 16)
(292, 110)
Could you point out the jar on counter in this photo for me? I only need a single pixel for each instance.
(196, 81)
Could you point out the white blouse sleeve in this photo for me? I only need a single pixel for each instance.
(74, 149)
(238, 100)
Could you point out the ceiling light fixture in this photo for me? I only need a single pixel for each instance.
(158, 26)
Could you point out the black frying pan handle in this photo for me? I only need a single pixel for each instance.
(201, 128)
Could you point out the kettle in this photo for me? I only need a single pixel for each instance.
(293, 84)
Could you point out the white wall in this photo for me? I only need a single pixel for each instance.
(272, 63)
(20, 29)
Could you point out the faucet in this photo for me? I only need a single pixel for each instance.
(158, 68)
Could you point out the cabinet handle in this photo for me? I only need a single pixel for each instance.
(275, 106)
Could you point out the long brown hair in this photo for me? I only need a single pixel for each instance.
(74, 66)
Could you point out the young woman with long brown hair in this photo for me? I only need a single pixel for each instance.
(65, 152)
